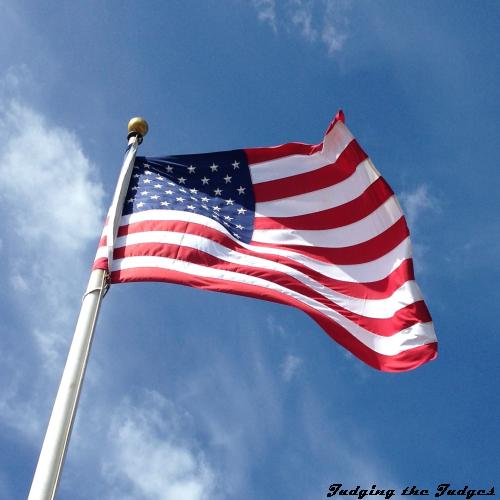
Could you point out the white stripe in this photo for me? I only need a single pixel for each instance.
(407, 294)
(358, 232)
(159, 215)
(352, 273)
(416, 335)
(322, 199)
(336, 141)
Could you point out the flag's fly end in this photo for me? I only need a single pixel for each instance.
(339, 117)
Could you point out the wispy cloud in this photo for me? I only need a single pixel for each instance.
(301, 13)
(416, 202)
(274, 326)
(151, 454)
(52, 208)
(266, 12)
(417, 205)
(325, 21)
(290, 367)
(334, 32)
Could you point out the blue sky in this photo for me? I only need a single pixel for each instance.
(192, 395)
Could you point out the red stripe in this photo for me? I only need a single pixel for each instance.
(348, 213)
(258, 155)
(101, 263)
(307, 182)
(406, 360)
(355, 254)
(372, 290)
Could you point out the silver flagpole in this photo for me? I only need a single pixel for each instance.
(51, 459)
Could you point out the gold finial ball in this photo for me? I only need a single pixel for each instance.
(138, 125)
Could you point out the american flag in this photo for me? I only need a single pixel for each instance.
(312, 226)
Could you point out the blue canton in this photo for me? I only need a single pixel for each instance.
(216, 185)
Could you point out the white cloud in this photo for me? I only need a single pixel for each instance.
(53, 207)
(416, 202)
(312, 20)
(17, 412)
(150, 455)
(266, 12)
(51, 210)
(274, 326)
(290, 367)
(335, 26)
(16, 78)
(302, 17)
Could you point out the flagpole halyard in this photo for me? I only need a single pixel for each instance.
(55, 444)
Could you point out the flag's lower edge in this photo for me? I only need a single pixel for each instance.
(405, 360)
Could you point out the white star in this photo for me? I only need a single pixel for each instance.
(157, 186)
(229, 201)
(169, 191)
(130, 200)
(148, 172)
(135, 188)
(205, 199)
(239, 226)
(237, 236)
(214, 167)
(217, 192)
(144, 193)
(227, 217)
(145, 165)
(205, 180)
(154, 197)
(180, 199)
(171, 183)
(182, 190)
(236, 164)
(140, 204)
(165, 203)
(191, 169)
(205, 207)
(241, 210)
(227, 179)
(181, 180)
(241, 190)
(160, 178)
(194, 191)
(191, 207)
(194, 198)
(169, 169)
(147, 181)
(217, 209)
(136, 176)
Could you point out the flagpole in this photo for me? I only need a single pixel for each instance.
(55, 444)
